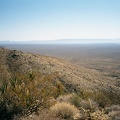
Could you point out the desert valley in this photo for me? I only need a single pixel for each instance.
(88, 74)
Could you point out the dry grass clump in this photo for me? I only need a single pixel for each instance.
(43, 115)
(65, 98)
(65, 110)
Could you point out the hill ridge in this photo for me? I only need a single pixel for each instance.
(74, 77)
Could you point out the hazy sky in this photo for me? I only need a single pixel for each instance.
(59, 19)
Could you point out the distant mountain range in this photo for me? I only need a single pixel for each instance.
(62, 41)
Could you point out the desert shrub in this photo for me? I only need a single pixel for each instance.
(89, 112)
(76, 100)
(102, 98)
(113, 108)
(26, 93)
(4, 74)
(65, 110)
(45, 114)
(99, 115)
(113, 112)
(64, 98)
(114, 115)
(89, 105)
(37, 117)
(73, 98)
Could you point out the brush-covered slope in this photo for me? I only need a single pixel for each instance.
(73, 77)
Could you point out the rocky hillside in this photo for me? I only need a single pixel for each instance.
(74, 78)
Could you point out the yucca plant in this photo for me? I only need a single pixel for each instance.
(25, 93)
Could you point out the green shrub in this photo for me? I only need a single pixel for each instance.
(25, 93)
(102, 98)
(75, 100)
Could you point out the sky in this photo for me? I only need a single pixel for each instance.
(59, 19)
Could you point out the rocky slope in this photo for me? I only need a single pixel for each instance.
(73, 77)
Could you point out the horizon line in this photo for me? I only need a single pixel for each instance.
(65, 39)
